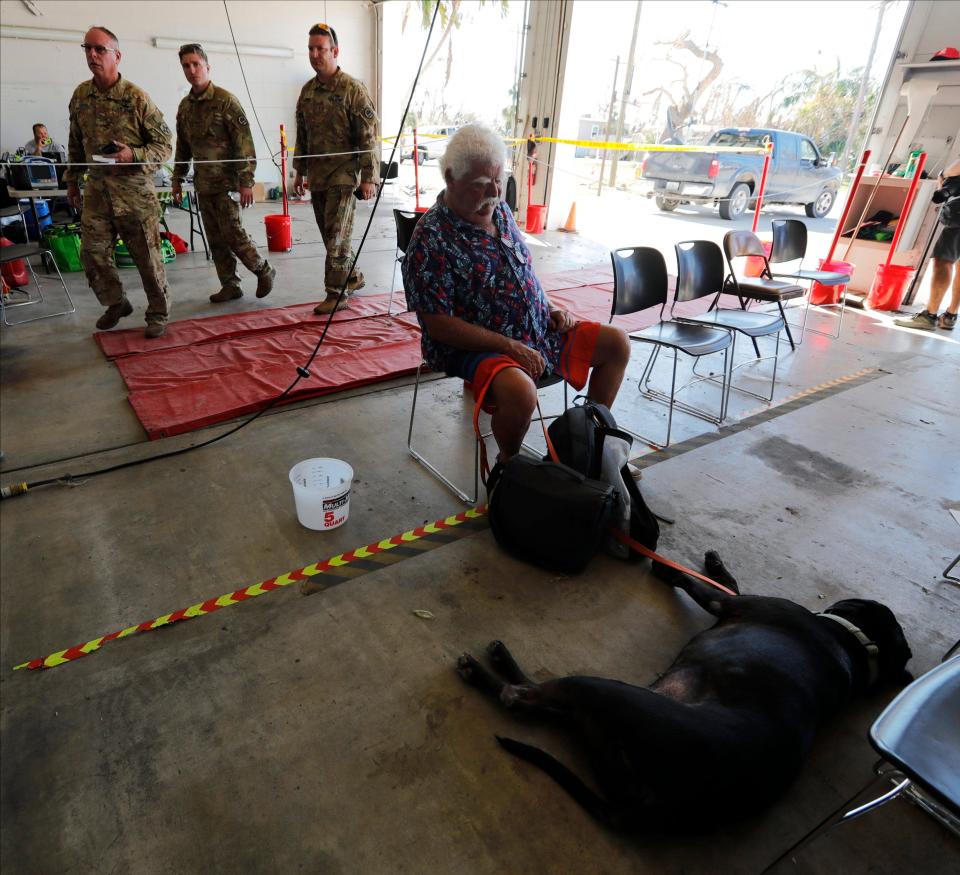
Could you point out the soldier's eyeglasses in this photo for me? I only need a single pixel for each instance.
(97, 50)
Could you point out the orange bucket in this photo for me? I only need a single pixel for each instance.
(889, 286)
(279, 233)
(821, 294)
(536, 218)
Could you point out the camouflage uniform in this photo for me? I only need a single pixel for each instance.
(211, 125)
(336, 117)
(119, 200)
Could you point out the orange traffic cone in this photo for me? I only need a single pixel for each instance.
(571, 225)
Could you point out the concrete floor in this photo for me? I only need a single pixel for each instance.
(330, 733)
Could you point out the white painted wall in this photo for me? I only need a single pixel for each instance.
(38, 77)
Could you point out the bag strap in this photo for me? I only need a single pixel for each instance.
(478, 406)
(646, 551)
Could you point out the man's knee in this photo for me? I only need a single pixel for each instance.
(514, 393)
(613, 347)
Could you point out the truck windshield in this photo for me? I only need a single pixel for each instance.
(739, 138)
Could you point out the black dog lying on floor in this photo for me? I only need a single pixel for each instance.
(726, 728)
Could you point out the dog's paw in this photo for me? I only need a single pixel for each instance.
(468, 668)
(497, 651)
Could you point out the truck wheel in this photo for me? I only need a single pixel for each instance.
(734, 205)
(667, 204)
(821, 206)
(421, 156)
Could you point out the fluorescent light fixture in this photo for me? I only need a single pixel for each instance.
(163, 42)
(9, 31)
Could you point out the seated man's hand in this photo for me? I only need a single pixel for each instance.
(528, 359)
(561, 321)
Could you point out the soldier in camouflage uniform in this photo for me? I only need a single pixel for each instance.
(335, 114)
(210, 126)
(117, 200)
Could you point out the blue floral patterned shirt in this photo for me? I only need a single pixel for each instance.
(454, 268)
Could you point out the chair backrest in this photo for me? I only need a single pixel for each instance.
(389, 171)
(639, 279)
(789, 240)
(406, 222)
(738, 244)
(700, 269)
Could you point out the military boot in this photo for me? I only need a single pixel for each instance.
(155, 329)
(265, 280)
(227, 293)
(330, 304)
(355, 282)
(113, 314)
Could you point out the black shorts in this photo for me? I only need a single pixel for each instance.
(948, 246)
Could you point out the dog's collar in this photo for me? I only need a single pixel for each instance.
(873, 652)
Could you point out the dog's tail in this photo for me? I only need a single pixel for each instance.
(596, 806)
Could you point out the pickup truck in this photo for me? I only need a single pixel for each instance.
(798, 174)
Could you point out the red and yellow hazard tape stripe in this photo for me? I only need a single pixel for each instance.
(813, 390)
(71, 654)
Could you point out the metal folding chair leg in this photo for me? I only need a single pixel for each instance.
(671, 400)
(433, 469)
(731, 387)
(456, 490)
(36, 281)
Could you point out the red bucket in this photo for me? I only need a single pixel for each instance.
(754, 264)
(821, 294)
(279, 234)
(14, 272)
(889, 286)
(536, 218)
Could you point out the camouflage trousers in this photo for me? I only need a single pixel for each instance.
(227, 237)
(334, 208)
(134, 216)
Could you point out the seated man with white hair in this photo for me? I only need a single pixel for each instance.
(468, 276)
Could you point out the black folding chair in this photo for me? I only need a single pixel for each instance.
(746, 244)
(700, 273)
(789, 245)
(26, 251)
(406, 222)
(639, 282)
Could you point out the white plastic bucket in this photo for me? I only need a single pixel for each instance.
(321, 492)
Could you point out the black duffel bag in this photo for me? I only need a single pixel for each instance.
(548, 514)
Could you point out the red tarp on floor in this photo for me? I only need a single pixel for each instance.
(204, 371)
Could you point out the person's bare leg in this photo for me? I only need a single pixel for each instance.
(515, 397)
(610, 360)
(955, 293)
(939, 283)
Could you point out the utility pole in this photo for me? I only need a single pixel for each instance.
(858, 106)
(606, 130)
(625, 95)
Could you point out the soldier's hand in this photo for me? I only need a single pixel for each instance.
(367, 190)
(73, 196)
(246, 196)
(298, 185)
(124, 154)
(177, 193)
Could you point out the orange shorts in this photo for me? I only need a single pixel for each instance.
(576, 354)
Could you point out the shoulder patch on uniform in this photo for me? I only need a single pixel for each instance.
(242, 120)
(368, 112)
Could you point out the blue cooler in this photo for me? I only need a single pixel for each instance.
(43, 211)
